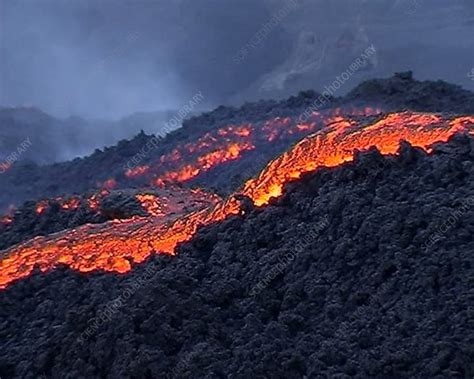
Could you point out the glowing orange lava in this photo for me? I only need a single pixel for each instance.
(231, 151)
(191, 159)
(93, 202)
(136, 171)
(71, 203)
(337, 142)
(108, 184)
(151, 204)
(41, 206)
(7, 218)
(115, 245)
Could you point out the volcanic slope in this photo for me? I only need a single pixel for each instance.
(361, 270)
(222, 148)
(114, 245)
(49, 216)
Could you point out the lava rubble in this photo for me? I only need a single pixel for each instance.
(117, 244)
(365, 297)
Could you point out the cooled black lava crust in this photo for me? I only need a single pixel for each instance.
(364, 270)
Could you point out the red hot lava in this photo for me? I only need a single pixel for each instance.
(115, 245)
(229, 143)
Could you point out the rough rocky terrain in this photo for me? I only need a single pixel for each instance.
(399, 92)
(364, 270)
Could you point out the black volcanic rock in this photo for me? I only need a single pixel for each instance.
(27, 223)
(364, 270)
(26, 181)
(402, 91)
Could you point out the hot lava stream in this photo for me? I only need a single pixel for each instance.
(115, 245)
(187, 161)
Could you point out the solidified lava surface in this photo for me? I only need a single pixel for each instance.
(117, 244)
(360, 270)
(214, 149)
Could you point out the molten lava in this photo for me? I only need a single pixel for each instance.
(204, 162)
(228, 143)
(174, 200)
(7, 218)
(71, 203)
(213, 148)
(108, 184)
(112, 245)
(151, 204)
(115, 245)
(41, 206)
(136, 171)
(336, 143)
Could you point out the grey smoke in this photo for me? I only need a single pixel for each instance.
(107, 59)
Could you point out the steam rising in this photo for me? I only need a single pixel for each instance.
(108, 59)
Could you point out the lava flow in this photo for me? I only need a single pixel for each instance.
(186, 161)
(7, 218)
(204, 162)
(335, 144)
(155, 202)
(111, 246)
(72, 202)
(115, 245)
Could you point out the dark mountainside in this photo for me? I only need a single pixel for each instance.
(353, 272)
(56, 140)
(19, 125)
(61, 214)
(402, 91)
(81, 175)
(28, 223)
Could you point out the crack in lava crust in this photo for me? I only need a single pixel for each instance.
(115, 245)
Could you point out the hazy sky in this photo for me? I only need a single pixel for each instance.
(104, 58)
